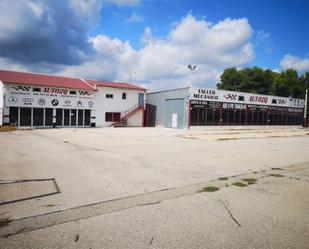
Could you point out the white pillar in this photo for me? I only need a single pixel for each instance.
(54, 117)
(92, 118)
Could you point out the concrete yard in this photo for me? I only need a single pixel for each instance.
(136, 188)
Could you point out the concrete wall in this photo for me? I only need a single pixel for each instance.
(157, 100)
(1, 102)
(116, 104)
(136, 120)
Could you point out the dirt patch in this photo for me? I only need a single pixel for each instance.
(7, 128)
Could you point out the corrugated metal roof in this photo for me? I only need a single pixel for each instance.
(59, 81)
(115, 84)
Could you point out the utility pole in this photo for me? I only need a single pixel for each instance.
(305, 123)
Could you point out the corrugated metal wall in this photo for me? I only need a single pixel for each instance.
(157, 106)
(174, 112)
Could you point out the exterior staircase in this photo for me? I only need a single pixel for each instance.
(127, 114)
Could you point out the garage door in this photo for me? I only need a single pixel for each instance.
(174, 109)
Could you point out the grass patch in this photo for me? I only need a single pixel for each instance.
(250, 181)
(223, 178)
(208, 189)
(240, 184)
(276, 175)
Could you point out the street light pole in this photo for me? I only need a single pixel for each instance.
(305, 123)
(192, 69)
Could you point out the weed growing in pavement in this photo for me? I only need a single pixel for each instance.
(240, 184)
(208, 189)
(276, 175)
(250, 181)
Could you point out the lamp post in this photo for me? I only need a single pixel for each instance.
(192, 69)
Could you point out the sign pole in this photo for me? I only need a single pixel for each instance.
(305, 110)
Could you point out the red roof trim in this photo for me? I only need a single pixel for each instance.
(115, 84)
(12, 77)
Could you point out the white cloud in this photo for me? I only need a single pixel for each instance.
(135, 18)
(299, 64)
(124, 2)
(264, 40)
(161, 62)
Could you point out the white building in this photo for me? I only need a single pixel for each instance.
(38, 100)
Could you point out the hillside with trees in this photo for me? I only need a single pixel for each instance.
(257, 80)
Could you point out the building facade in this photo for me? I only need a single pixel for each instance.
(186, 107)
(37, 100)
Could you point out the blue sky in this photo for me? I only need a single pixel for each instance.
(286, 22)
(151, 42)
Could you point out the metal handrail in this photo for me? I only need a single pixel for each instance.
(127, 113)
(131, 109)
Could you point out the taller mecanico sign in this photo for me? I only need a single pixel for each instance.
(48, 97)
(243, 98)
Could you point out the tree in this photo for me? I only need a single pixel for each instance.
(246, 80)
(287, 84)
(256, 80)
(231, 79)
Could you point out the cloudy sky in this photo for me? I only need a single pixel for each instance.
(151, 42)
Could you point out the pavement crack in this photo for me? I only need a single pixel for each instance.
(41, 221)
(229, 212)
(149, 204)
(151, 241)
(25, 229)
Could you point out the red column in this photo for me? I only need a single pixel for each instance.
(147, 115)
(143, 118)
(246, 115)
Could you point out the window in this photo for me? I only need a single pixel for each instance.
(36, 89)
(38, 116)
(241, 98)
(48, 116)
(25, 116)
(73, 92)
(87, 117)
(124, 95)
(14, 115)
(112, 116)
(109, 96)
(59, 117)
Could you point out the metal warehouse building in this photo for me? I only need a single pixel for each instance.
(185, 107)
(38, 100)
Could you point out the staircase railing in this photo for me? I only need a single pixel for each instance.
(128, 113)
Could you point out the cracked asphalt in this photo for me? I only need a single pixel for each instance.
(159, 207)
